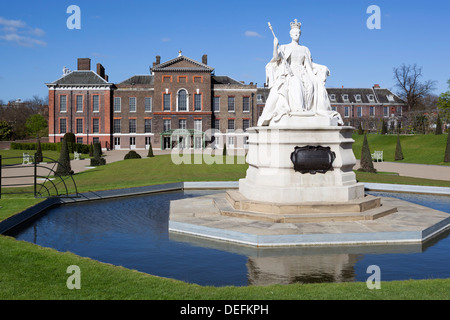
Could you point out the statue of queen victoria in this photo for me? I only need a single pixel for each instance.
(297, 85)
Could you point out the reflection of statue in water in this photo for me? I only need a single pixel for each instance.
(297, 85)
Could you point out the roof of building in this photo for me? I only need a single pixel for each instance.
(363, 95)
(80, 77)
(139, 79)
(225, 80)
(178, 65)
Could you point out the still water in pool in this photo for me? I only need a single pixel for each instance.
(133, 232)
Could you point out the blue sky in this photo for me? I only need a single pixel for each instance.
(125, 37)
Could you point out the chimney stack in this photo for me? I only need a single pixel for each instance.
(84, 64)
(101, 71)
(158, 60)
(205, 59)
(377, 86)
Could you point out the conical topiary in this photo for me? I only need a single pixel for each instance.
(224, 152)
(64, 168)
(398, 150)
(438, 125)
(97, 160)
(150, 151)
(447, 150)
(366, 163)
(38, 156)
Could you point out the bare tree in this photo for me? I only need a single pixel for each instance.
(411, 89)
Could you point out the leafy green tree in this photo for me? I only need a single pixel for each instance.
(36, 125)
(366, 163)
(6, 131)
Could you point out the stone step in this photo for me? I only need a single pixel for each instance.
(239, 202)
(371, 214)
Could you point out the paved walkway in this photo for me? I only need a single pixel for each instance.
(413, 170)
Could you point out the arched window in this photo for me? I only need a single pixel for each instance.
(182, 100)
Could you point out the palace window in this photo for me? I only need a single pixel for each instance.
(132, 127)
(95, 103)
(246, 104)
(198, 102)
(166, 102)
(230, 104)
(62, 125)
(95, 125)
(79, 104)
(148, 125)
(198, 124)
(182, 100)
(148, 104)
(231, 125)
(167, 125)
(62, 103)
(79, 125)
(216, 104)
(182, 124)
(132, 104)
(117, 104)
(116, 125)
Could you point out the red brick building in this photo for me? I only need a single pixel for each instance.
(181, 103)
(181, 97)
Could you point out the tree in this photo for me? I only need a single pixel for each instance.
(150, 151)
(38, 158)
(366, 163)
(447, 150)
(438, 125)
(411, 89)
(384, 129)
(97, 160)
(6, 131)
(64, 168)
(443, 103)
(398, 150)
(36, 125)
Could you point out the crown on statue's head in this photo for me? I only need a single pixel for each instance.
(295, 24)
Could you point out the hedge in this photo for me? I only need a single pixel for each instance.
(78, 147)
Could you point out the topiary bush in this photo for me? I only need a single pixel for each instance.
(366, 164)
(64, 168)
(132, 155)
(150, 151)
(398, 150)
(97, 160)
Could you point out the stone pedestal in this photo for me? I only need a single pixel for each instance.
(271, 176)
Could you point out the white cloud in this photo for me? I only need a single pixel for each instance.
(18, 32)
(12, 23)
(254, 34)
(22, 41)
(165, 39)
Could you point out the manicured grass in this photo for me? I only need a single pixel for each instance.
(28, 271)
(18, 155)
(419, 148)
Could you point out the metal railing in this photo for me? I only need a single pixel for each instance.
(46, 185)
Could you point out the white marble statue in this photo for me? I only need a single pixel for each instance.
(297, 85)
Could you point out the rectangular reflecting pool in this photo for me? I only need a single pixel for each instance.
(133, 232)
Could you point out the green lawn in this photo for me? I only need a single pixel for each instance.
(419, 148)
(28, 271)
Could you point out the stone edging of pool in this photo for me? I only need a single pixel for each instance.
(259, 233)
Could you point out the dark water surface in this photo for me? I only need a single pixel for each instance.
(133, 232)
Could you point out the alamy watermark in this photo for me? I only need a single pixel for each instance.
(74, 20)
(74, 280)
(374, 280)
(374, 20)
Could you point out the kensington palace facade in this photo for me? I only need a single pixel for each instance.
(181, 103)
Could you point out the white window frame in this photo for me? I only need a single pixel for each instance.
(65, 103)
(117, 104)
(148, 104)
(132, 103)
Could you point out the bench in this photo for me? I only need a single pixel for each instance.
(377, 156)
